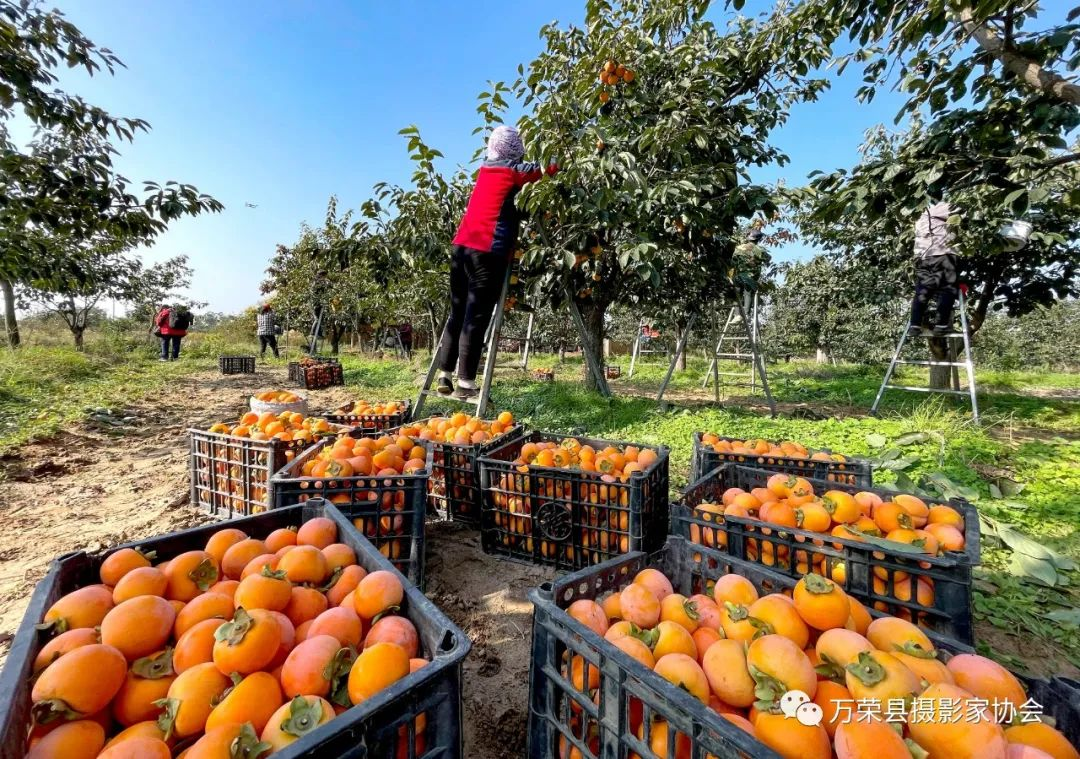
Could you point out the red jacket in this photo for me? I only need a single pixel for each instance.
(491, 220)
(161, 321)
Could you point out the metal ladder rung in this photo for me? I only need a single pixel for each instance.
(738, 356)
(931, 334)
(733, 374)
(965, 391)
(930, 363)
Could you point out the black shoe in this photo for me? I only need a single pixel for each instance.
(445, 386)
(465, 393)
(941, 330)
(914, 330)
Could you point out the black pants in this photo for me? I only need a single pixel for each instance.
(935, 275)
(265, 340)
(476, 279)
(170, 346)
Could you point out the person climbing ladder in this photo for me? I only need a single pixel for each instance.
(483, 246)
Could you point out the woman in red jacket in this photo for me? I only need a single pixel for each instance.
(483, 247)
(171, 324)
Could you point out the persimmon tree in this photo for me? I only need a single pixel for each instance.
(990, 104)
(415, 227)
(61, 192)
(655, 116)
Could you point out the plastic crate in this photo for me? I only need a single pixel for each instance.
(790, 550)
(388, 511)
(236, 364)
(230, 476)
(319, 376)
(294, 366)
(373, 422)
(370, 729)
(567, 518)
(454, 489)
(853, 471)
(560, 715)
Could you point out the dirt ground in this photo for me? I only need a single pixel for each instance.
(123, 475)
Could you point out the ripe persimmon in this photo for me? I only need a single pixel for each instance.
(247, 643)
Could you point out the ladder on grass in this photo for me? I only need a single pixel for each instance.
(967, 363)
(491, 349)
(737, 342)
(525, 345)
(746, 349)
(638, 349)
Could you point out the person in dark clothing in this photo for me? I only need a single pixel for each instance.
(405, 333)
(266, 327)
(935, 269)
(170, 326)
(483, 246)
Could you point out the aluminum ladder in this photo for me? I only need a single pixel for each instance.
(491, 349)
(967, 363)
(638, 350)
(737, 317)
(526, 346)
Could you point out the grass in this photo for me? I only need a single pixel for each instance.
(1028, 434)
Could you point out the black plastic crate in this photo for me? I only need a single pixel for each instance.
(371, 729)
(454, 491)
(230, 476)
(569, 518)
(881, 576)
(388, 511)
(372, 422)
(851, 471)
(319, 376)
(236, 364)
(561, 716)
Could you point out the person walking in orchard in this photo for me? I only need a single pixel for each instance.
(266, 327)
(483, 247)
(170, 326)
(935, 268)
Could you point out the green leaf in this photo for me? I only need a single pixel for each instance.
(876, 440)
(1067, 617)
(911, 438)
(1031, 568)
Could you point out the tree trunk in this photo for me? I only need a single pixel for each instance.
(562, 352)
(592, 343)
(822, 357)
(11, 324)
(77, 332)
(680, 361)
(940, 376)
(336, 333)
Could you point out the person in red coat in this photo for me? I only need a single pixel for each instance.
(171, 325)
(483, 247)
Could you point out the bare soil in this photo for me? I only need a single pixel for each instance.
(123, 476)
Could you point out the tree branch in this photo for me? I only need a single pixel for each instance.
(1031, 72)
(1060, 160)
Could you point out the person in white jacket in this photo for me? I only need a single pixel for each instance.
(935, 268)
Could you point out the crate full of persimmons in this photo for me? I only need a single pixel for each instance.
(787, 456)
(458, 441)
(375, 416)
(906, 554)
(231, 464)
(378, 480)
(689, 652)
(571, 502)
(283, 634)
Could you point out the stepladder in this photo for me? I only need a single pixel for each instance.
(958, 356)
(644, 343)
(523, 345)
(491, 350)
(736, 341)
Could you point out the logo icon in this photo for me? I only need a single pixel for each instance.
(796, 704)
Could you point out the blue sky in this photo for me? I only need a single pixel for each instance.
(282, 103)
